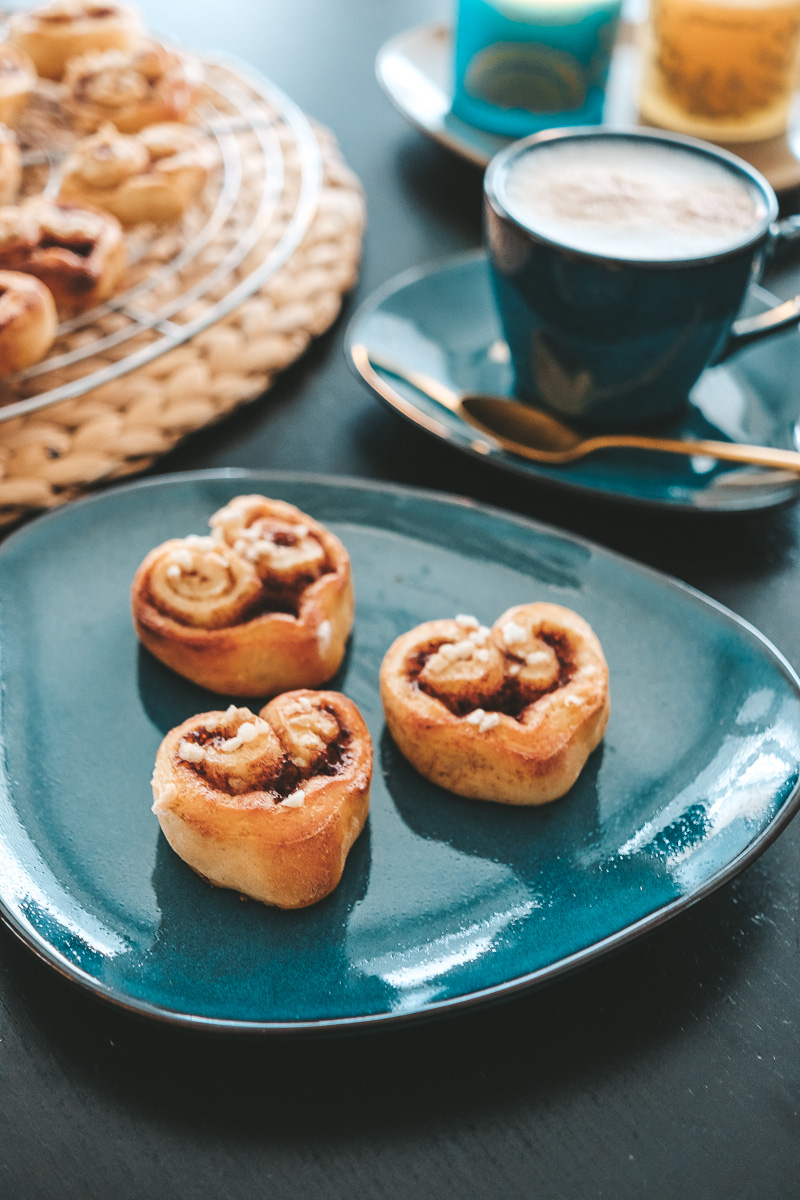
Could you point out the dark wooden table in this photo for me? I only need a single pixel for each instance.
(671, 1070)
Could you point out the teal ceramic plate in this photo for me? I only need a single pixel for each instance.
(442, 321)
(444, 902)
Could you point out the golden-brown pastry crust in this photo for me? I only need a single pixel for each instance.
(153, 175)
(17, 81)
(509, 713)
(270, 805)
(78, 252)
(27, 321)
(149, 85)
(55, 33)
(10, 166)
(263, 606)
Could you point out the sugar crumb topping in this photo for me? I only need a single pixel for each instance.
(296, 800)
(450, 652)
(536, 657)
(190, 751)
(173, 571)
(512, 633)
(467, 621)
(246, 732)
(573, 701)
(485, 721)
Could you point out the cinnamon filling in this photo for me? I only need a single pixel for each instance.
(268, 602)
(82, 248)
(513, 697)
(290, 776)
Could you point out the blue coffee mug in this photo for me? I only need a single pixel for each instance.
(618, 343)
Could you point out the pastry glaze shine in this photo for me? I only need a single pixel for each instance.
(509, 713)
(262, 606)
(267, 805)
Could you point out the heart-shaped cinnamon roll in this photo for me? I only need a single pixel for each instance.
(509, 713)
(267, 805)
(263, 605)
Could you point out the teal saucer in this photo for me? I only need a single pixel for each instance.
(444, 902)
(442, 321)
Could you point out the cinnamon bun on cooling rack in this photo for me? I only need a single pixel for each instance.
(79, 253)
(54, 33)
(144, 86)
(153, 175)
(27, 321)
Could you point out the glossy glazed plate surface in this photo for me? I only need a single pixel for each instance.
(442, 321)
(444, 901)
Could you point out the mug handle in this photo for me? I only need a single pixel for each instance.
(784, 236)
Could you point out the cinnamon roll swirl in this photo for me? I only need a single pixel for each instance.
(78, 252)
(267, 805)
(263, 605)
(27, 321)
(56, 32)
(131, 89)
(149, 176)
(509, 713)
(17, 81)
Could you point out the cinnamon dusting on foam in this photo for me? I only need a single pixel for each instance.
(632, 199)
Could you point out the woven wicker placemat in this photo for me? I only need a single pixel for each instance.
(116, 429)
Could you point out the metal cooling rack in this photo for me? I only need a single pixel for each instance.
(239, 100)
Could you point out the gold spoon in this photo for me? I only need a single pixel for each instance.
(535, 434)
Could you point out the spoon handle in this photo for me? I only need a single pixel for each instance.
(760, 456)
